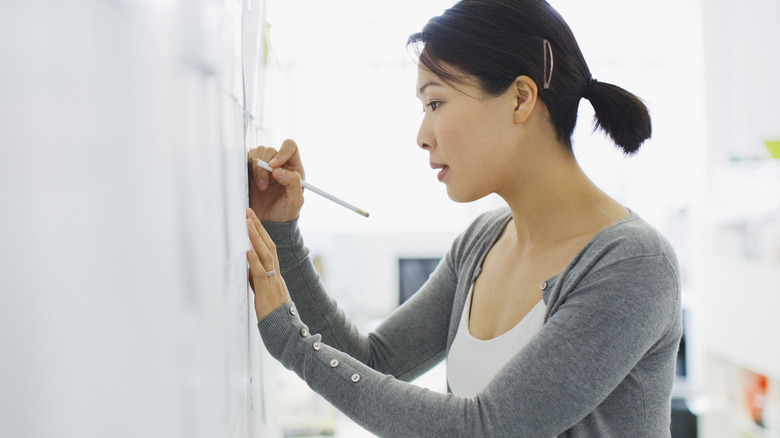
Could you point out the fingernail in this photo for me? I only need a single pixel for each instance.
(252, 213)
(273, 161)
(251, 224)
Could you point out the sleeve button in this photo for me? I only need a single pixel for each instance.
(292, 310)
(334, 363)
(356, 378)
(304, 332)
(316, 346)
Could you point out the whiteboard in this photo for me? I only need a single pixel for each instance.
(124, 309)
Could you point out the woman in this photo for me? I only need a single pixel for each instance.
(558, 315)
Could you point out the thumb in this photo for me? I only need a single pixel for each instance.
(292, 184)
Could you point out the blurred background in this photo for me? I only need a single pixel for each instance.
(123, 302)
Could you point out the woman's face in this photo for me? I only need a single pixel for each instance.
(466, 134)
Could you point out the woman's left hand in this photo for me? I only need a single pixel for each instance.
(265, 277)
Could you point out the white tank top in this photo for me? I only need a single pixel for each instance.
(472, 363)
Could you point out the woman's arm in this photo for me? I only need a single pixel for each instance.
(409, 342)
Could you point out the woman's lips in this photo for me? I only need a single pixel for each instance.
(443, 169)
(442, 173)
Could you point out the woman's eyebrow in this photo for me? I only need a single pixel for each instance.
(426, 85)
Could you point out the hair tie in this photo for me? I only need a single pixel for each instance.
(589, 87)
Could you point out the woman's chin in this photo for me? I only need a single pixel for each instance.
(461, 196)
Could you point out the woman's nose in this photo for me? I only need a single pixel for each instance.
(425, 136)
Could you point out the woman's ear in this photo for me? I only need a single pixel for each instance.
(526, 94)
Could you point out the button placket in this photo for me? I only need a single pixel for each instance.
(345, 371)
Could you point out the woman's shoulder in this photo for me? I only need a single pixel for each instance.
(630, 237)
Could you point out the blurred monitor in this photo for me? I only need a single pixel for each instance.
(413, 273)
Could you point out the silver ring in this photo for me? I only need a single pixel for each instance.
(270, 273)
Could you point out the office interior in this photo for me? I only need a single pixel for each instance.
(124, 304)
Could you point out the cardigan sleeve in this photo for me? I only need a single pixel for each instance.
(613, 316)
(409, 342)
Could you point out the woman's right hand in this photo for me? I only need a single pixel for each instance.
(277, 196)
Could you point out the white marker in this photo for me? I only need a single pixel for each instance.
(320, 192)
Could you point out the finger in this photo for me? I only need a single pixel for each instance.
(265, 175)
(256, 152)
(292, 184)
(288, 157)
(252, 165)
(264, 254)
(268, 154)
(267, 241)
(255, 268)
(260, 175)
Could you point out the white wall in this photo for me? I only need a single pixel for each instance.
(124, 309)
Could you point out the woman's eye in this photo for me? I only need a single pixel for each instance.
(434, 105)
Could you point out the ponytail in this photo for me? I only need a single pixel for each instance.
(620, 114)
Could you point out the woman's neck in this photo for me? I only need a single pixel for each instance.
(556, 202)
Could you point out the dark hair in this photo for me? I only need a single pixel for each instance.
(498, 40)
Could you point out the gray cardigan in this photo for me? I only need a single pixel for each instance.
(601, 366)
